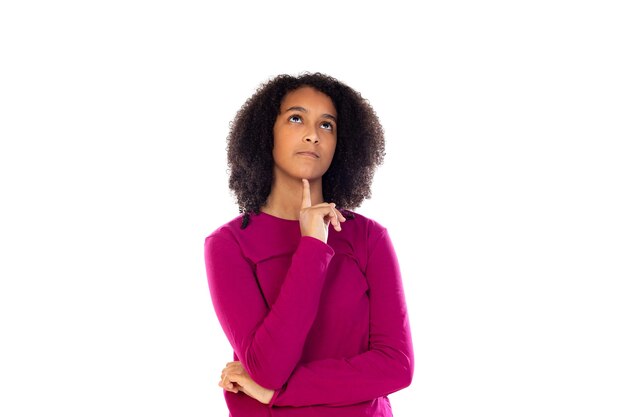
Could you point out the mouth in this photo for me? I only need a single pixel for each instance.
(309, 154)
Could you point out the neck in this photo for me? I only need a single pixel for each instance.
(285, 199)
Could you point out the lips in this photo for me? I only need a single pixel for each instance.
(310, 154)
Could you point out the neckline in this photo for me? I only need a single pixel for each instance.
(277, 218)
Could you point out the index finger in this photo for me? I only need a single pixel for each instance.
(306, 193)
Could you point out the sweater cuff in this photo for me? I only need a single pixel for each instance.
(311, 242)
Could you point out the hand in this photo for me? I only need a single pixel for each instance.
(235, 378)
(314, 220)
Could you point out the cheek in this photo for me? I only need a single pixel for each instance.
(281, 142)
(332, 148)
(278, 150)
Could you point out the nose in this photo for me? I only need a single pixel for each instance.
(311, 137)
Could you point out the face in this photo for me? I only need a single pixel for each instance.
(305, 135)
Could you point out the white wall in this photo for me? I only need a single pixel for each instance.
(503, 190)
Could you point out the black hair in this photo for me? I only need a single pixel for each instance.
(360, 143)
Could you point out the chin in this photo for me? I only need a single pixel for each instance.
(300, 173)
(310, 177)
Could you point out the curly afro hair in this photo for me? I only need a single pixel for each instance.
(360, 143)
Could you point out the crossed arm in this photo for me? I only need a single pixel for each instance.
(385, 367)
(269, 342)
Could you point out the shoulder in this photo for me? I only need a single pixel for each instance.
(358, 237)
(361, 225)
(223, 245)
(263, 237)
(228, 231)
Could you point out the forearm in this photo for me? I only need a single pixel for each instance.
(373, 374)
(271, 353)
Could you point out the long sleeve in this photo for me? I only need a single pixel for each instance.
(388, 364)
(268, 341)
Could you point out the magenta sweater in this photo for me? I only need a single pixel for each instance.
(325, 325)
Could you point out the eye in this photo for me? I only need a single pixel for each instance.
(295, 118)
(327, 126)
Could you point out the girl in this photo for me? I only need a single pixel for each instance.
(308, 293)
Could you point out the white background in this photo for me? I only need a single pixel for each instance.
(503, 190)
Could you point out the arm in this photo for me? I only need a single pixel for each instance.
(267, 341)
(388, 364)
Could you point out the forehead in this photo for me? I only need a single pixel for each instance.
(309, 98)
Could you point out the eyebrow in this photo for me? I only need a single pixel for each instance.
(302, 109)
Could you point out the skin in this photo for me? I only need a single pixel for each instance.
(305, 137)
(235, 378)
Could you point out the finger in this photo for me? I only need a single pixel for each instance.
(334, 220)
(224, 376)
(230, 365)
(331, 214)
(228, 381)
(233, 368)
(235, 381)
(228, 387)
(306, 194)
